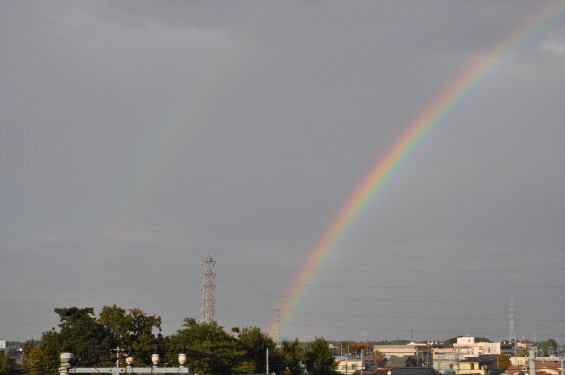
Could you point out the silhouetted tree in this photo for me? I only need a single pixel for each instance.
(255, 343)
(132, 329)
(210, 350)
(319, 359)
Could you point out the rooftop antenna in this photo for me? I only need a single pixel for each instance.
(207, 302)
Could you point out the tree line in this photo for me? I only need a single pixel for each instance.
(210, 349)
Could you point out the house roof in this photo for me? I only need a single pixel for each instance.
(549, 367)
(414, 371)
(490, 358)
(470, 359)
(395, 361)
(483, 361)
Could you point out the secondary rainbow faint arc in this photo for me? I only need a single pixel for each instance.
(401, 150)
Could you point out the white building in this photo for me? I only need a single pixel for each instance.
(467, 345)
(346, 365)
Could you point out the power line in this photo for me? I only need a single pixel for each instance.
(333, 298)
(435, 317)
(333, 286)
(364, 327)
(400, 271)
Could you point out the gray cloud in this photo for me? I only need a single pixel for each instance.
(136, 137)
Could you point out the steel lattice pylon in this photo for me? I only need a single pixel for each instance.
(207, 302)
(512, 335)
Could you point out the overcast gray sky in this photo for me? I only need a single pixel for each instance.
(136, 136)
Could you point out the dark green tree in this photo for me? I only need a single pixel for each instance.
(79, 334)
(210, 350)
(548, 347)
(289, 358)
(132, 329)
(82, 335)
(92, 340)
(43, 359)
(117, 324)
(7, 365)
(254, 343)
(319, 359)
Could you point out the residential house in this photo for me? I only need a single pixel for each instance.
(472, 365)
(542, 368)
(395, 361)
(348, 365)
(413, 371)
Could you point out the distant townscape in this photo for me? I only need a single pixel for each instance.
(120, 341)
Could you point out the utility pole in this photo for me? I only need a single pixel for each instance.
(207, 302)
(532, 362)
(117, 356)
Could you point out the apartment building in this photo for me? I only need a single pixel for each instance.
(468, 345)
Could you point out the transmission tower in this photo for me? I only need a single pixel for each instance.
(277, 326)
(512, 336)
(207, 302)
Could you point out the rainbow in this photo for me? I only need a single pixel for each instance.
(434, 115)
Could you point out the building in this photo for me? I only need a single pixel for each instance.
(13, 352)
(445, 361)
(347, 365)
(471, 365)
(542, 368)
(395, 361)
(468, 345)
(413, 371)
(421, 351)
(395, 350)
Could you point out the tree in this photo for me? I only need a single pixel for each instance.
(289, 358)
(82, 335)
(548, 347)
(44, 358)
(356, 347)
(319, 359)
(92, 340)
(133, 329)
(116, 325)
(6, 364)
(79, 334)
(255, 343)
(210, 350)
